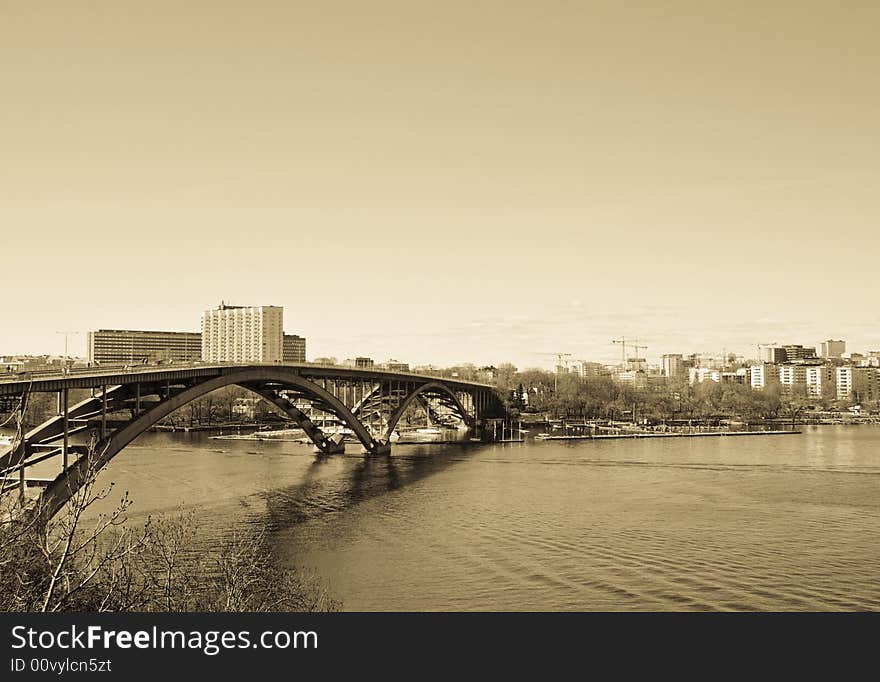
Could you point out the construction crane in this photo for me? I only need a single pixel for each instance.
(637, 360)
(622, 342)
(560, 359)
(560, 364)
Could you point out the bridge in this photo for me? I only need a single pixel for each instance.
(124, 402)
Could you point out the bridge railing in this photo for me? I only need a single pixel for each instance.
(127, 368)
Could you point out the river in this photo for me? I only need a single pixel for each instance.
(762, 523)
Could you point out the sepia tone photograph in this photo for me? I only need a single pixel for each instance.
(411, 306)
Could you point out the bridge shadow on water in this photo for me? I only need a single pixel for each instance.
(335, 483)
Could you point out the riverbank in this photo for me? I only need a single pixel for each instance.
(608, 436)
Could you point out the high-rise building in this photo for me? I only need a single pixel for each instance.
(858, 383)
(135, 346)
(294, 349)
(821, 381)
(791, 376)
(673, 365)
(833, 349)
(243, 334)
(761, 376)
(773, 354)
(844, 380)
(590, 370)
(795, 352)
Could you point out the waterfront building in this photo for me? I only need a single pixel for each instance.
(867, 384)
(673, 365)
(844, 380)
(243, 334)
(792, 376)
(135, 346)
(821, 381)
(763, 375)
(364, 362)
(294, 348)
(833, 349)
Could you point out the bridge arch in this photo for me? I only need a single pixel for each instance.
(69, 481)
(431, 387)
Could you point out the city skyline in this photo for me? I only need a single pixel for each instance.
(447, 184)
(513, 330)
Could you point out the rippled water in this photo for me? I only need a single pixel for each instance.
(771, 523)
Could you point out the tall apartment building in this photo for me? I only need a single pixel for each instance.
(773, 354)
(135, 346)
(590, 370)
(294, 348)
(792, 376)
(763, 375)
(243, 334)
(858, 383)
(821, 381)
(844, 380)
(832, 349)
(867, 385)
(673, 365)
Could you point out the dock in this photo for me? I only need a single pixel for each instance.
(704, 434)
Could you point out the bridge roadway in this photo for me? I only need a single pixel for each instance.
(369, 402)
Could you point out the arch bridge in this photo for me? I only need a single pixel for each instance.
(124, 402)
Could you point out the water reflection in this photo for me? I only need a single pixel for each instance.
(773, 523)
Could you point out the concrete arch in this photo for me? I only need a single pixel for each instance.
(431, 387)
(69, 481)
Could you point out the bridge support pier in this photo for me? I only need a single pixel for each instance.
(381, 449)
(331, 449)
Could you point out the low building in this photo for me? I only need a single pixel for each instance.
(739, 376)
(134, 346)
(396, 366)
(697, 375)
(633, 377)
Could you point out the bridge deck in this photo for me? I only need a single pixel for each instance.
(120, 375)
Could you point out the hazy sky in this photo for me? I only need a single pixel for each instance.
(444, 181)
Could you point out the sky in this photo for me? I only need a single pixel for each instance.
(479, 181)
